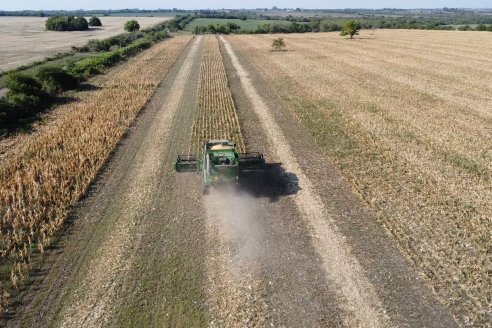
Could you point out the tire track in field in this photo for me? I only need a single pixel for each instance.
(235, 285)
(94, 297)
(357, 296)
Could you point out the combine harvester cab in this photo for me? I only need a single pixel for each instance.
(221, 163)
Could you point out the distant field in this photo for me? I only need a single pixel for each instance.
(25, 40)
(250, 24)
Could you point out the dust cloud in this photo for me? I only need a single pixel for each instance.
(233, 214)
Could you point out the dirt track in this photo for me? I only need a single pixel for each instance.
(146, 248)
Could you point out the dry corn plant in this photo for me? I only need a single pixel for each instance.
(49, 173)
(216, 117)
(407, 118)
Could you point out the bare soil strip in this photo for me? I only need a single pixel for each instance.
(357, 295)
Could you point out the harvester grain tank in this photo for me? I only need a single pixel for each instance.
(220, 163)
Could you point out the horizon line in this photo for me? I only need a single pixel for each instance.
(257, 8)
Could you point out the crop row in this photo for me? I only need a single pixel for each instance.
(54, 170)
(216, 117)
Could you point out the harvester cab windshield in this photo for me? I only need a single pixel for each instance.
(220, 163)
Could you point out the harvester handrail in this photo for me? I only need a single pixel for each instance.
(186, 158)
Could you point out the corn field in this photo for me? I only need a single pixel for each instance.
(52, 171)
(407, 118)
(216, 117)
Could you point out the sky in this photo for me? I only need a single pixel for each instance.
(218, 4)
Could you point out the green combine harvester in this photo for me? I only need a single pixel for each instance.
(221, 163)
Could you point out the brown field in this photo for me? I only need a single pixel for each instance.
(25, 40)
(375, 208)
(407, 118)
(52, 170)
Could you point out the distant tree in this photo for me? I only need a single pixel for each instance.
(315, 25)
(200, 30)
(66, 23)
(212, 29)
(132, 26)
(263, 28)
(233, 26)
(327, 26)
(221, 29)
(465, 28)
(278, 44)
(243, 17)
(94, 21)
(80, 23)
(350, 28)
(481, 27)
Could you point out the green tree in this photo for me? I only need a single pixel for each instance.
(22, 83)
(94, 21)
(25, 96)
(55, 79)
(66, 23)
(80, 23)
(263, 28)
(132, 26)
(200, 30)
(327, 26)
(481, 27)
(278, 44)
(350, 28)
(465, 28)
(212, 29)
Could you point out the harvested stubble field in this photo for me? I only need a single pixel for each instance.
(25, 40)
(216, 117)
(53, 169)
(407, 117)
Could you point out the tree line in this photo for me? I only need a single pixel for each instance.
(301, 24)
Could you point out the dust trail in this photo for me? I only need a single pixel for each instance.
(357, 296)
(94, 297)
(235, 214)
(235, 237)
